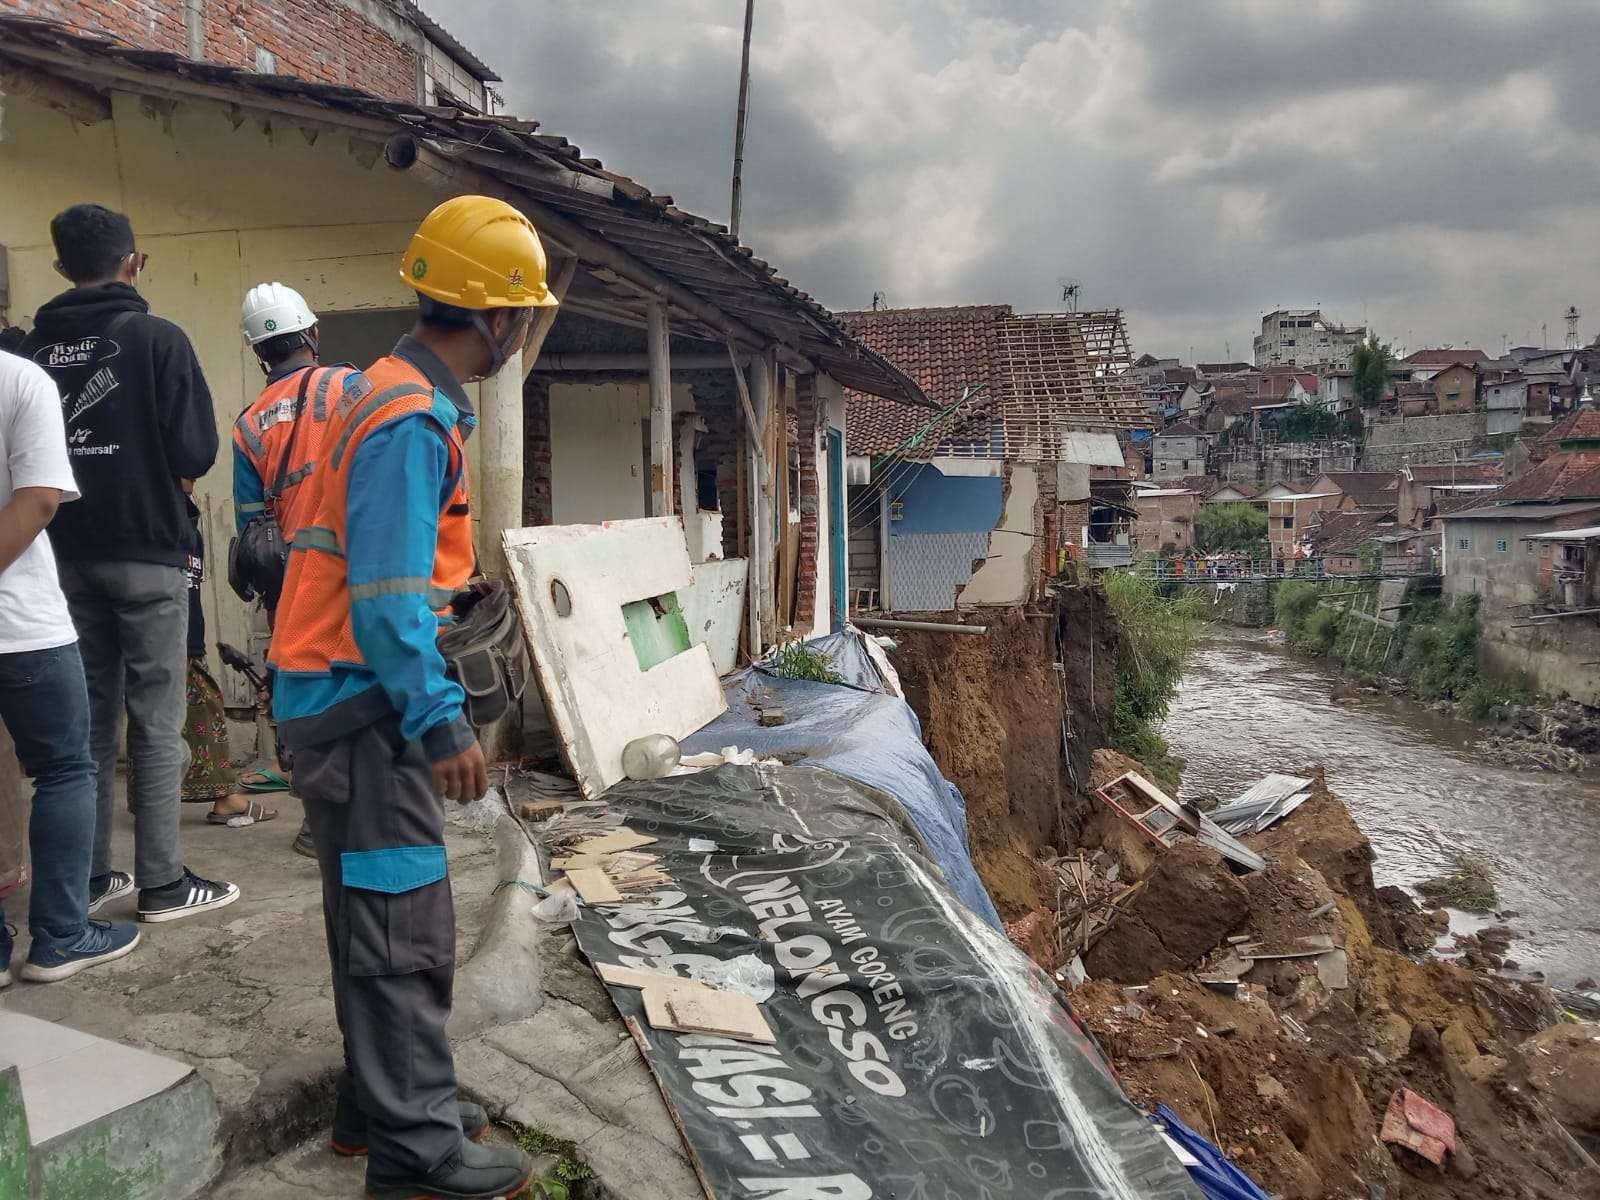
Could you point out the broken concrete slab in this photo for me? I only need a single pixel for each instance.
(610, 647)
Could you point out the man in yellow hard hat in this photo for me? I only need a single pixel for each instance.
(363, 700)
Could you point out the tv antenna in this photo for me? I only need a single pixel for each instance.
(879, 301)
(1071, 292)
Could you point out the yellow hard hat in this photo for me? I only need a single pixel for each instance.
(477, 252)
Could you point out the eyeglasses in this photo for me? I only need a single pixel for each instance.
(140, 260)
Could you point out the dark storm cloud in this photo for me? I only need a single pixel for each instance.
(1194, 163)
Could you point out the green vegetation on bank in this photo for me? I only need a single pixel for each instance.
(1157, 634)
(1237, 526)
(1470, 886)
(1434, 648)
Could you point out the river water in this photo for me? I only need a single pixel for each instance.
(1415, 782)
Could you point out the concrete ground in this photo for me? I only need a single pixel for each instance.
(243, 994)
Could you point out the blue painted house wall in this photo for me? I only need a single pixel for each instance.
(944, 525)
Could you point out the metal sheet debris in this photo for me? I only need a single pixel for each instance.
(1158, 815)
(1268, 801)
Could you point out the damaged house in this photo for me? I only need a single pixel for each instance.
(681, 375)
(1020, 464)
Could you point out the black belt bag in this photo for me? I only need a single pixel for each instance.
(484, 651)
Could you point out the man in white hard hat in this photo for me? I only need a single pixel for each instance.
(276, 442)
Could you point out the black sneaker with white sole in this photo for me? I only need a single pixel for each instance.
(186, 896)
(108, 887)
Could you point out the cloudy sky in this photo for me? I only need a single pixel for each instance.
(1431, 166)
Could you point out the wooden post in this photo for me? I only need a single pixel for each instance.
(660, 412)
(752, 397)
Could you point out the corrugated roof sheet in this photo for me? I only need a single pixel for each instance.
(549, 173)
(1522, 512)
(1567, 535)
(1092, 449)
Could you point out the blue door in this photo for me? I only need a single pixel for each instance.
(838, 534)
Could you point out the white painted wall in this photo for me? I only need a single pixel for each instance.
(1006, 576)
(597, 449)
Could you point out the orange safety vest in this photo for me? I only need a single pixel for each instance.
(313, 630)
(269, 431)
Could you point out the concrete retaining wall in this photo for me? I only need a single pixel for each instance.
(1394, 441)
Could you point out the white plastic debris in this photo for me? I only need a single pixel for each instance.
(558, 908)
(746, 974)
(702, 846)
(481, 814)
(240, 821)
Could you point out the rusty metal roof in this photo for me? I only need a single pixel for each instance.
(718, 289)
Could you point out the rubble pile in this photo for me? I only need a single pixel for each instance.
(1278, 1013)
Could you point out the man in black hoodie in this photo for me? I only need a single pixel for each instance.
(140, 430)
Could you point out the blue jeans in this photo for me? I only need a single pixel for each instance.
(45, 706)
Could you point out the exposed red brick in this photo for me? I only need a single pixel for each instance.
(325, 42)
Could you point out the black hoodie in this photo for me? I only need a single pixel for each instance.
(139, 419)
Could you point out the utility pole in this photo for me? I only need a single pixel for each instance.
(743, 114)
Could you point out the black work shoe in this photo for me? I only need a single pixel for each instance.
(303, 843)
(108, 887)
(350, 1127)
(472, 1173)
(185, 896)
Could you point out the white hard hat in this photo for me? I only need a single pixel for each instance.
(271, 310)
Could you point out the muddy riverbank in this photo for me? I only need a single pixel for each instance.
(1417, 782)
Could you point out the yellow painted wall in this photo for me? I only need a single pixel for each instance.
(218, 207)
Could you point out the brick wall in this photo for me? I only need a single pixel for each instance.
(537, 505)
(330, 42)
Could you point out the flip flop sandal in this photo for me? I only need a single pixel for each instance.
(265, 779)
(253, 815)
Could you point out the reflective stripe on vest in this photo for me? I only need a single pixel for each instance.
(270, 429)
(313, 629)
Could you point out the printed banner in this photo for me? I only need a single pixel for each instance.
(919, 1056)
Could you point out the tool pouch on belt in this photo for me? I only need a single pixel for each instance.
(484, 651)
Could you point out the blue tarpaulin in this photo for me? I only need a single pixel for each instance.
(1218, 1178)
(857, 730)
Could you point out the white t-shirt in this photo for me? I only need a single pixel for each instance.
(33, 453)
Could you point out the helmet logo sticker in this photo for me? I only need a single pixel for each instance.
(419, 268)
(514, 280)
(271, 325)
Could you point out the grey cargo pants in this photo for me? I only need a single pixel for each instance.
(379, 830)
